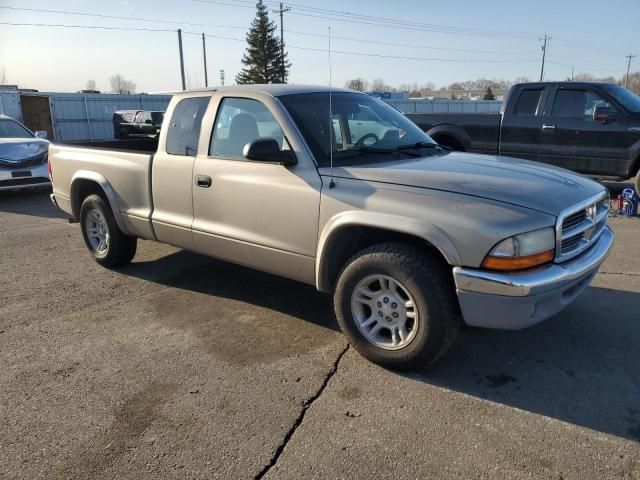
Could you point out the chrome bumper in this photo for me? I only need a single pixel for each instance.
(520, 299)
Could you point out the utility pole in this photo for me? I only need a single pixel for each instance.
(204, 59)
(281, 11)
(629, 57)
(572, 74)
(184, 86)
(544, 54)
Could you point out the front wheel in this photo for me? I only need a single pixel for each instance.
(102, 236)
(397, 305)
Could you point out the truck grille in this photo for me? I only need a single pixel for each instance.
(580, 226)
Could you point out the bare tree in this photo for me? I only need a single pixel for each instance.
(91, 85)
(378, 85)
(120, 85)
(357, 84)
(633, 83)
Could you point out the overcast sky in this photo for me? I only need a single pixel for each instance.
(63, 59)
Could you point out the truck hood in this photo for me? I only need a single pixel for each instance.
(533, 185)
(18, 149)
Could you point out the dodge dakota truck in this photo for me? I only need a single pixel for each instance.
(410, 238)
(589, 127)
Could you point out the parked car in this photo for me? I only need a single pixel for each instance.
(588, 127)
(409, 237)
(23, 156)
(136, 123)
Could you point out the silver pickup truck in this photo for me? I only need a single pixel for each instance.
(338, 190)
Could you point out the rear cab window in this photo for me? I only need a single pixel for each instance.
(528, 100)
(184, 128)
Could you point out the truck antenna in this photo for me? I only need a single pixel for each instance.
(331, 182)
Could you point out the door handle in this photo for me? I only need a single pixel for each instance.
(203, 181)
(548, 127)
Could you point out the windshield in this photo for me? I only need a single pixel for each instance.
(12, 129)
(360, 124)
(628, 99)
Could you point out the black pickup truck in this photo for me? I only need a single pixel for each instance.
(588, 127)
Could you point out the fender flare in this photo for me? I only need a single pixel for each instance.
(384, 221)
(102, 182)
(454, 131)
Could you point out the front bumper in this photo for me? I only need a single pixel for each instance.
(38, 178)
(515, 300)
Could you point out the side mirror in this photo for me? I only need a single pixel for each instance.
(41, 134)
(147, 121)
(268, 150)
(604, 114)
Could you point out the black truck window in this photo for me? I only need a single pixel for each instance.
(527, 103)
(577, 104)
(184, 129)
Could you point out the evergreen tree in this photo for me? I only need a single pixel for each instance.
(263, 60)
(488, 95)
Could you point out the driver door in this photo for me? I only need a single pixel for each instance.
(260, 214)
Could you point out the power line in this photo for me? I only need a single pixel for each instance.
(398, 24)
(294, 32)
(342, 52)
(98, 27)
(401, 22)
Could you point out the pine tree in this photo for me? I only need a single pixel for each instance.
(263, 60)
(488, 95)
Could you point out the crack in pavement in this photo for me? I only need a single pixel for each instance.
(306, 406)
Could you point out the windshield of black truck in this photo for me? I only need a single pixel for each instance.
(628, 99)
(360, 125)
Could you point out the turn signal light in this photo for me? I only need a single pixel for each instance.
(518, 263)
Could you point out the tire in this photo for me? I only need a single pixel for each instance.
(422, 279)
(102, 236)
(637, 183)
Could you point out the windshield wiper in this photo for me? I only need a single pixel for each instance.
(365, 149)
(418, 145)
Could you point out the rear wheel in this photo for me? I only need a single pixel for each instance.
(397, 305)
(102, 236)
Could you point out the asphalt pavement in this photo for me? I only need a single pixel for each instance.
(181, 366)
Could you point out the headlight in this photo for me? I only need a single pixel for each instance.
(522, 251)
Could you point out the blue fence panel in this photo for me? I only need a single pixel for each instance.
(445, 106)
(88, 116)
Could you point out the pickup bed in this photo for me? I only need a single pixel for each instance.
(588, 127)
(410, 238)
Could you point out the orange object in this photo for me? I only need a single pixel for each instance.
(517, 263)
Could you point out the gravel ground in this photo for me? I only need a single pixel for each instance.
(180, 366)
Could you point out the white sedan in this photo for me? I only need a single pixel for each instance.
(23, 156)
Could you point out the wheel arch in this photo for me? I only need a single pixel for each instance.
(350, 232)
(85, 183)
(458, 134)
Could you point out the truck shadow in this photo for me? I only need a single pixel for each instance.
(190, 271)
(34, 203)
(581, 367)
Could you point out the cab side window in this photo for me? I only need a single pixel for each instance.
(239, 122)
(580, 104)
(184, 128)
